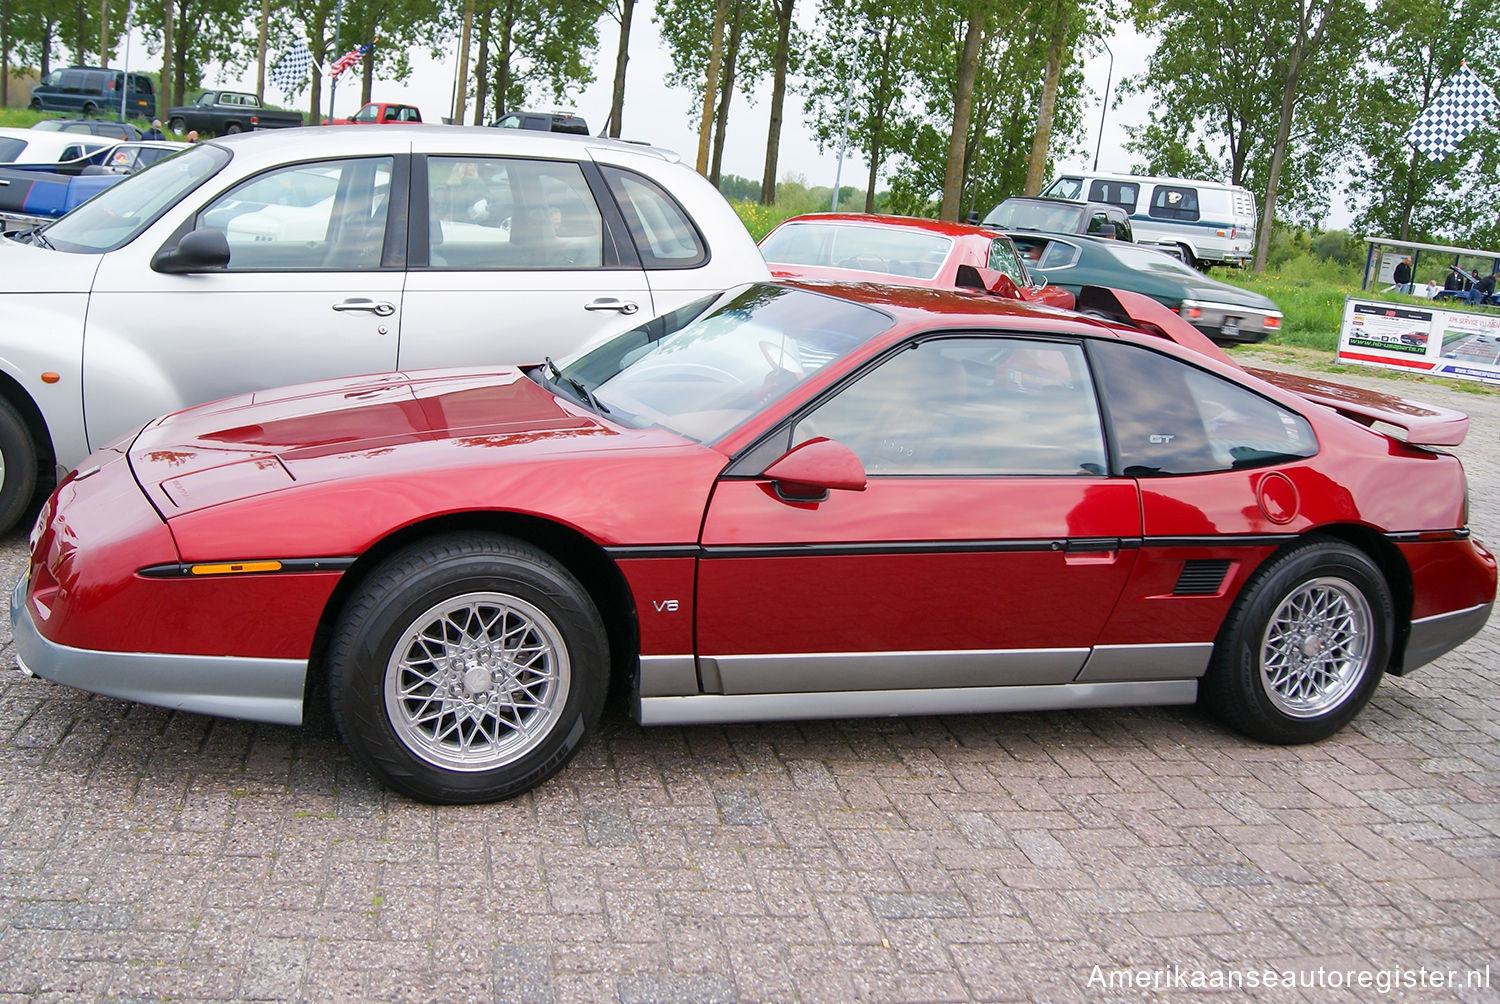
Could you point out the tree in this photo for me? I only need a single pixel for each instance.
(1419, 46)
(538, 48)
(1277, 116)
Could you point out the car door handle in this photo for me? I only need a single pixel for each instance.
(381, 309)
(610, 303)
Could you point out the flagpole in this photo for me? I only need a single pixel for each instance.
(333, 85)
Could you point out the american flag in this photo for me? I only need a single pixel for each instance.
(1464, 102)
(350, 58)
(291, 69)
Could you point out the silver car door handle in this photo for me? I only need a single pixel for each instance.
(609, 303)
(381, 309)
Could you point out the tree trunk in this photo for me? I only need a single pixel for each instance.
(963, 104)
(482, 76)
(461, 88)
(318, 43)
(168, 55)
(622, 56)
(502, 53)
(711, 86)
(784, 10)
(366, 77)
(4, 53)
(1036, 166)
(726, 91)
(260, 51)
(103, 32)
(1409, 197)
(1278, 157)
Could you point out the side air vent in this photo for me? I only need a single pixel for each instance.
(1201, 577)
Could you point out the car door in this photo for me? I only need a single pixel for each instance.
(309, 292)
(987, 548)
(512, 259)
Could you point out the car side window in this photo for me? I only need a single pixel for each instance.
(1118, 193)
(1171, 418)
(1003, 259)
(969, 406)
(509, 213)
(1173, 203)
(329, 215)
(663, 235)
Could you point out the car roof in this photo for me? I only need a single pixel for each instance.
(425, 137)
(901, 222)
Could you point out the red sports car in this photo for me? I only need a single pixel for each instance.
(783, 501)
(905, 251)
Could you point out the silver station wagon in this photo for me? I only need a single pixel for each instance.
(265, 259)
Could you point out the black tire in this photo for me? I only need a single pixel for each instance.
(1304, 646)
(517, 619)
(178, 126)
(89, 109)
(1189, 259)
(232, 128)
(36, 104)
(17, 466)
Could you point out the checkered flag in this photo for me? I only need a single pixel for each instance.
(1464, 102)
(291, 69)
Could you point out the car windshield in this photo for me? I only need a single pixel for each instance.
(1020, 215)
(888, 249)
(116, 215)
(704, 368)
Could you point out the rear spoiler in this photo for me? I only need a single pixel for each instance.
(1418, 423)
(1140, 311)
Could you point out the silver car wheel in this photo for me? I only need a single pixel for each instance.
(1317, 647)
(477, 681)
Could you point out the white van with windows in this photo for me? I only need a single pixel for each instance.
(1209, 222)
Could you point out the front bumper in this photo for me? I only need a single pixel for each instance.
(260, 690)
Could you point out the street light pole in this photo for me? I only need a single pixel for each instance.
(1109, 77)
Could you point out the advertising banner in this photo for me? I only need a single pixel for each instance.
(1444, 340)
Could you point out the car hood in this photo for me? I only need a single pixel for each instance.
(383, 428)
(31, 269)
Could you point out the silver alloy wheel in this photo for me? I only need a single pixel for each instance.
(1317, 647)
(477, 681)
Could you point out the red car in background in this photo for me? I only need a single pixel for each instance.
(782, 501)
(906, 251)
(382, 113)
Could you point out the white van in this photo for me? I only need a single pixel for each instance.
(1210, 222)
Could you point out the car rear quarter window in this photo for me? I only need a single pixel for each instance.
(510, 213)
(10, 149)
(1057, 254)
(664, 236)
(1167, 417)
(1170, 202)
(969, 406)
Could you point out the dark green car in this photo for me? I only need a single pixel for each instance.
(1223, 312)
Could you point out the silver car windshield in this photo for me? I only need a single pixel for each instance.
(705, 368)
(116, 215)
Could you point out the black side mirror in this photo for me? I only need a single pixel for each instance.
(1107, 230)
(198, 251)
(972, 219)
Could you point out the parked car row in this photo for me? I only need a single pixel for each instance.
(33, 194)
(596, 448)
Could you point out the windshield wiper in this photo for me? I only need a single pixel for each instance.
(34, 236)
(577, 385)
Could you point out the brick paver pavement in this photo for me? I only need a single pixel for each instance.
(148, 854)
